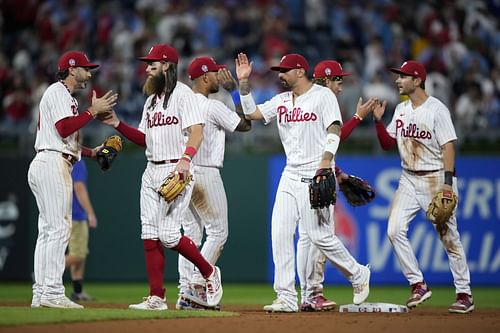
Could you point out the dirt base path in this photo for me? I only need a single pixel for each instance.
(252, 319)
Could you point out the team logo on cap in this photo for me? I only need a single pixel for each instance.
(328, 71)
(72, 62)
(204, 68)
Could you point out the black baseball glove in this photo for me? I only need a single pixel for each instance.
(357, 191)
(108, 152)
(322, 189)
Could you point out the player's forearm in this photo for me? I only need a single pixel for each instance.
(348, 127)
(331, 145)
(133, 134)
(385, 140)
(67, 126)
(449, 156)
(195, 136)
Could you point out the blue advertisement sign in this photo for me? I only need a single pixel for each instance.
(364, 229)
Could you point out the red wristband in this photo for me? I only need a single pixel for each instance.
(190, 151)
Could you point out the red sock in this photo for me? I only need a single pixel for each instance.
(155, 266)
(188, 249)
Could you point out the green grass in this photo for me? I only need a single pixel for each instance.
(121, 294)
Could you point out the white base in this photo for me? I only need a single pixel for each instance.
(374, 307)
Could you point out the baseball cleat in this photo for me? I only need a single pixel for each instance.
(154, 303)
(420, 292)
(60, 303)
(362, 290)
(214, 288)
(464, 304)
(83, 296)
(280, 305)
(318, 303)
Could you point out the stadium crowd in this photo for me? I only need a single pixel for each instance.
(458, 41)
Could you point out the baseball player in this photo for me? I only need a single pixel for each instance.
(171, 129)
(424, 133)
(308, 120)
(208, 208)
(49, 174)
(83, 217)
(327, 73)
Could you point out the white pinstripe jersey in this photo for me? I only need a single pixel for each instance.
(56, 104)
(165, 129)
(218, 119)
(421, 132)
(303, 126)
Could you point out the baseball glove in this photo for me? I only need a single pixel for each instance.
(322, 189)
(108, 152)
(441, 208)
(357, 191)
(173, 186)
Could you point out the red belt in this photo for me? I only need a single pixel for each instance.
(70, 158)
(165, 161)
(421, 173)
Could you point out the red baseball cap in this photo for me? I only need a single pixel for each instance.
(292, 61)
(162, 52)
(411, 68)
(328, 68)
(74, 59)
(202, 65)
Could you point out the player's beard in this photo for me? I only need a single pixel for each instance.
(285, 84)
(214, 87)
(81, 83)
(154, 84)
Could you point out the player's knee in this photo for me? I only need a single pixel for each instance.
(171, 240)
(394, 232)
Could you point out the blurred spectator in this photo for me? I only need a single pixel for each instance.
(459, 42)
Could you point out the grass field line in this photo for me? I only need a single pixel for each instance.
(15, 299)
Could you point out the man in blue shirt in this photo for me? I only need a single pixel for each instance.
(83, 218)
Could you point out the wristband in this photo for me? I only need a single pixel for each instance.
(186, 158)
(248, 104)
(235, 94)
(189, 153)
(332, 143)
(448, 178)
(90, 114)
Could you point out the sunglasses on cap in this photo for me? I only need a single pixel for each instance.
(286, 70)
(335, 78)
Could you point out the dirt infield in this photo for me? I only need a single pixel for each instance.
(252, 319)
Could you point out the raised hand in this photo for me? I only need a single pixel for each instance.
(378, 110)
(109, 118)
(243, 67)
(226, 79)
(364, 109)
(102, 104)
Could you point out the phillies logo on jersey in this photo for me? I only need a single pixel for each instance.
(411, 131)
(295, 116)
(158, 119)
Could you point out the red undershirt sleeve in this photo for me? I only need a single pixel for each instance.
(348, 127)
(133, 134)
(69, 125)
(385, 140)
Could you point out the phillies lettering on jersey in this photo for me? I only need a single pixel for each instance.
(412, 131)
(160, 119)
(296, 115)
